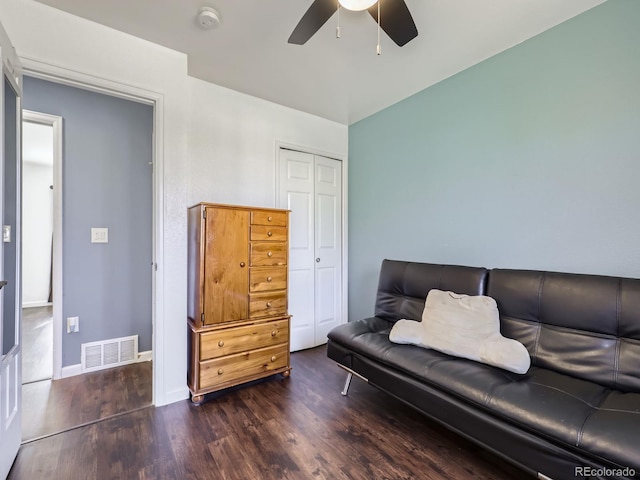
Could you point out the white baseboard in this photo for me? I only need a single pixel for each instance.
(73, 370)
(36, 304)
(145, 356)
(172, 397)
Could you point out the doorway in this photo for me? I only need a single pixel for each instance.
(102, 325)
(38, 158)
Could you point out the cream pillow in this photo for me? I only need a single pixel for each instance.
(464, 326)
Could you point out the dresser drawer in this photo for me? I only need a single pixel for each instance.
(267, 304)
(265, 254)
(264, 279)
(259, 217)
(240, 339)
(268, 233)
(234, 368)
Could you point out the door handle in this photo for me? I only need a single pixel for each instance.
(3, 283)
(318, 260)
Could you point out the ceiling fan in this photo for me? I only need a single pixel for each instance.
(395, 18)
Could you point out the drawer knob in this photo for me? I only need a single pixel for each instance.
(242, 264)
(269, 233)
(273, 359)
(221, 343)
(269, 279)
(269, 218)
(274, 333)
(220, 371)
(269, 254)
(268, 304)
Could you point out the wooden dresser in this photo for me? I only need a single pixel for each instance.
(237, 296)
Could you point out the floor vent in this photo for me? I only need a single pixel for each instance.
(109, 353)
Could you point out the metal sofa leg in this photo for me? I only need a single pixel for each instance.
(350, 374)
(347, 382)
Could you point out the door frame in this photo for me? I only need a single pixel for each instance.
(73, 78)
(345, 187)
(56, 123)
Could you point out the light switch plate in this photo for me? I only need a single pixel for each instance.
(6, 233)
(73, 324)
(99, 235)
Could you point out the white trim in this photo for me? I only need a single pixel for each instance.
(176, 395)
(145, 356)
(345, 189)
(55, 122)
(71, 371)
(47, 71)
(33, 67)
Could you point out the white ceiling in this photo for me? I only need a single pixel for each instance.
(339, 79)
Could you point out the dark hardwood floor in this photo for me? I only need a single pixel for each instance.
(52, 406)
(295, 428)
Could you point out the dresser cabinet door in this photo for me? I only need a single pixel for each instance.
(226, 269)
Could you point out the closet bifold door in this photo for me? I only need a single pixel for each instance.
(311, 187)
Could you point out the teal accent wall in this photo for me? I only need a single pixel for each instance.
(530, 159)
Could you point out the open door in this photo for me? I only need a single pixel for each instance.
(10, 339)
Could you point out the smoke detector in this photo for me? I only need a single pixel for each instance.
(208, 18)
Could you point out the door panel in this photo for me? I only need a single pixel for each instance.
(311, 187)
(10, 348)
(227, 271)
(328, 246)
(296, 194)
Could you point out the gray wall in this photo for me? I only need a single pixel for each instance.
(107, 182)
(530, 159)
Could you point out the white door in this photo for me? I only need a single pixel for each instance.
(311, 187)
(10, 361)
(328, 246)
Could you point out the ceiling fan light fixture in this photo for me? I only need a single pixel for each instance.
(357, 5)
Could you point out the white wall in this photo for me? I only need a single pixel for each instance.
(37, 231)
(231, 144)
(218, 145)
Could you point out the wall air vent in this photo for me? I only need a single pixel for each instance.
(109, 353)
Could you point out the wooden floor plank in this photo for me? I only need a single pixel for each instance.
(281, 428)
(52, 406)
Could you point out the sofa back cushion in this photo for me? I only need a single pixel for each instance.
(587, 326)
(403, 286)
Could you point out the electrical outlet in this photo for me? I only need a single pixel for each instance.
(73, 324)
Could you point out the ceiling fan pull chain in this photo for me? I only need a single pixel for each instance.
(338, 27)
(378, 49)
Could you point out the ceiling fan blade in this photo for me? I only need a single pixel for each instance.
(316, 16)
(395, 20)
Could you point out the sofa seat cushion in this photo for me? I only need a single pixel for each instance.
(579, 414)
(613, 429)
